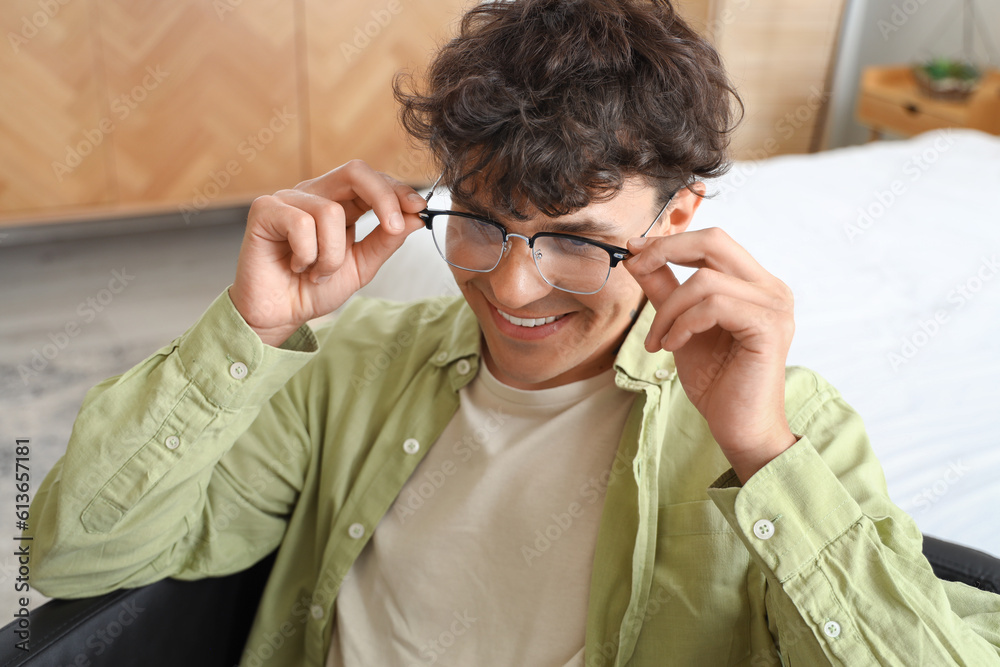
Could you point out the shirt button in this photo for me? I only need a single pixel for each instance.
(832, 629)
(463, 366)
(356, 530)
(172, 442)
(661, 374)
(763, 529)
(238, 370)
(441, 357)
(316, 611)
(411, 446)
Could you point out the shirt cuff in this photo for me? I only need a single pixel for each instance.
(231, 365)
(788, 511)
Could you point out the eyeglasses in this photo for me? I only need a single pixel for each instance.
(565, 261)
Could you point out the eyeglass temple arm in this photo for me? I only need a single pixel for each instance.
(662, 209)
(433, 187)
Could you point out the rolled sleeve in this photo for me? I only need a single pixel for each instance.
(229, 363)
(847, 580)
(789, 510)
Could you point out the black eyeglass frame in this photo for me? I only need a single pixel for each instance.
(615, 253)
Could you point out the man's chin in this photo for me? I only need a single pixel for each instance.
(538, 368)
(507, 358)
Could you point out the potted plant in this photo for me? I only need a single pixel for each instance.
(947, 79)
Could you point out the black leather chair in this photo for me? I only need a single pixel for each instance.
(205, 623)
(169, 623)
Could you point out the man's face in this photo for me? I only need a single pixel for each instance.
(584, 338)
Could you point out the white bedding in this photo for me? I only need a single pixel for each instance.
(879, 307)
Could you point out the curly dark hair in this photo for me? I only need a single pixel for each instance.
(553, 103)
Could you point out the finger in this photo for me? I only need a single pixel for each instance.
(710, 248)
(371, 252)
(703, 284)
(410, 201)
(746, 322)
(656, 284)
(333, 235)
(359, 188)
(298, 228)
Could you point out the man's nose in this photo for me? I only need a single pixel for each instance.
(516, 281)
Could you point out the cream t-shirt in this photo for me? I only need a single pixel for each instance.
(485, 556)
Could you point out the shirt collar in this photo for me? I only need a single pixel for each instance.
(462, 339)
(636, 367)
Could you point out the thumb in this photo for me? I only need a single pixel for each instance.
(412, 202)
(657, 281)
(371, 252)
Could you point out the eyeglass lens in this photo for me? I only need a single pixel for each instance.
(568, 264)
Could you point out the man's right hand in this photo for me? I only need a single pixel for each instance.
(299, 258)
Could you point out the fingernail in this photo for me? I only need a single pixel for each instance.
(637, 242)
(396, 222)
(321, 279)
(414, 197)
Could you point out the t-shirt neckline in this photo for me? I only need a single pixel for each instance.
(572, 392)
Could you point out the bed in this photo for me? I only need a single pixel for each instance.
(893, 252)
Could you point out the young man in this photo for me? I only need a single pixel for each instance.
(579, 462)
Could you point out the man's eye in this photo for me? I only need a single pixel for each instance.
(572, 246)
(481, 229)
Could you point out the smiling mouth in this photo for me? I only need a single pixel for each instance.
(529, 322)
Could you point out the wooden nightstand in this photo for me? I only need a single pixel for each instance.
(890, 99)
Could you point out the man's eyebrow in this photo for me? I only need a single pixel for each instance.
(471, 207)
(583, 227)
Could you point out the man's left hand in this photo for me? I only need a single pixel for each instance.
(730, 326)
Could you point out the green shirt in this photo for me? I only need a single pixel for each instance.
(217, 449)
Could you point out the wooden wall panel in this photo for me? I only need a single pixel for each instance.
(54, 153)
(203, 103)
(353, 50)
(205, 93)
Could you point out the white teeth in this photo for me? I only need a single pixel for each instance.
(529, 322)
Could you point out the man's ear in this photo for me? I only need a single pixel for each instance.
(681, 210)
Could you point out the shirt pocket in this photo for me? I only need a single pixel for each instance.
(699, 607)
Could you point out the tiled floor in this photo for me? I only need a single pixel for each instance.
(164, 280)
